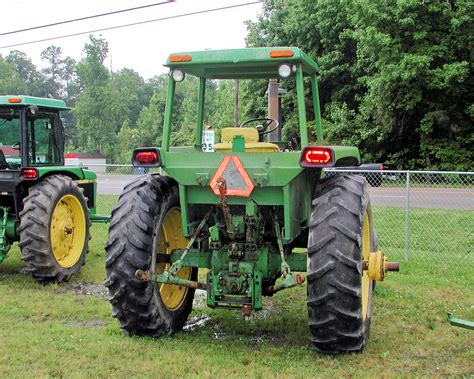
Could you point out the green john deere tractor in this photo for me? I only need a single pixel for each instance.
(256, 214)
(44, 205)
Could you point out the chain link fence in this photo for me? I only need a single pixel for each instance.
(423, 214)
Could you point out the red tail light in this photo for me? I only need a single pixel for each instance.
(381, 168)
(317, 156)
(29, 173)
(146, 157)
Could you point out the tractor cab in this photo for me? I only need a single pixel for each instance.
(31, 132)
(44, 205)
(261, 133)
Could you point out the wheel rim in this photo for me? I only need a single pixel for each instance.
(366, 249)
(170, 237)
(68, 231)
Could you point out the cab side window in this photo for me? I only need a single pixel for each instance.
(44, 141)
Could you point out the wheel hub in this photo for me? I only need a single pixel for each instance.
(67, 231)
(377, 266)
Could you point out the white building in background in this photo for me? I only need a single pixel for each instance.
(94, 161)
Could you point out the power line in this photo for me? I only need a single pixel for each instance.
(86, 18)
(134, 24)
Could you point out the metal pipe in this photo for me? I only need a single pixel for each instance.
(236, 103)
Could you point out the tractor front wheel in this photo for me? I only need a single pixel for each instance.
(147, 218)
(341, 236)
(54, 229)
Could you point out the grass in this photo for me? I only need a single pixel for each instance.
(439, 235)
(60, 331)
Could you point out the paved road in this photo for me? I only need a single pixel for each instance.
(112, 184)
(446, 198)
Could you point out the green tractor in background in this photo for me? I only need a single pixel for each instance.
(44, 205)
(256, 214)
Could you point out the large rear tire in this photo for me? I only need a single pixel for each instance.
(341, 236)
(147, 217)
(54, 229)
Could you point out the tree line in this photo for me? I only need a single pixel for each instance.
(113, 112)
(396, 76)
(396, 80)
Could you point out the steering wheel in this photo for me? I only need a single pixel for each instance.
(262, 129)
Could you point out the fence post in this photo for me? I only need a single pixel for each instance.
(407, 215)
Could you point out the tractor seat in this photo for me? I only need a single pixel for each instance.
(251, 141)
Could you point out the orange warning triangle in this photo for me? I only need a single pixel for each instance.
(237, 179)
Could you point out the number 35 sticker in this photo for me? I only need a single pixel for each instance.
(208, 141)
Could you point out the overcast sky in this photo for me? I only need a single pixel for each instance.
(143, 48)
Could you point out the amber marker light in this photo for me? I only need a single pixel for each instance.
(281, 53)
(14, 100)
(180, 58)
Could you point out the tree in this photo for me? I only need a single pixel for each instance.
(54, 71)
(151, 118)
(30, 82)
(133, 90)
(100, 110)
(396, 76)
(128, 139)
(10, 81)
(91, 70)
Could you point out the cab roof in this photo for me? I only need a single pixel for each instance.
(24, 101)
(248, 63)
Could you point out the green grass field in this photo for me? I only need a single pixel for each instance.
(67, 331)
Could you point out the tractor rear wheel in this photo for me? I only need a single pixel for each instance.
(147, 217)
(341, 236)
(54, 229)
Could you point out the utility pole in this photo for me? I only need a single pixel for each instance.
(236, 103)
(273, 110)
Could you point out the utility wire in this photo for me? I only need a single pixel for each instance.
(134, 24)
(86, 18)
